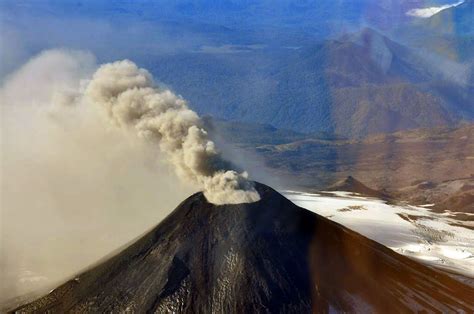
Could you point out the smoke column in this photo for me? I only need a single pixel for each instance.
(132, 102)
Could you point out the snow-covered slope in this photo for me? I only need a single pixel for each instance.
(436, 239)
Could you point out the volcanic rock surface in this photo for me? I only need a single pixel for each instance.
(270, 256)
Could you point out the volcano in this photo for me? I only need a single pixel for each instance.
(270, 256)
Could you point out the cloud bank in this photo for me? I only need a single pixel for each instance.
(430, 11)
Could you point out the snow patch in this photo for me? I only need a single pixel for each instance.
(414, 231)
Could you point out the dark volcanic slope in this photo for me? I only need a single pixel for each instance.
(269, 256)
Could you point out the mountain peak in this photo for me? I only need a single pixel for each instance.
(351, 184)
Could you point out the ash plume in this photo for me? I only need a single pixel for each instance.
(74, 189)
(132, 101)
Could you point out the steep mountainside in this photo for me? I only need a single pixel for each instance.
(269, 256)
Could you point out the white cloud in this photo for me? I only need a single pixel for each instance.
(429, 12)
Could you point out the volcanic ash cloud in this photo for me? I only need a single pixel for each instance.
(133, 102)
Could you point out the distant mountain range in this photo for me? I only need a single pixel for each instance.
(355, 85)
